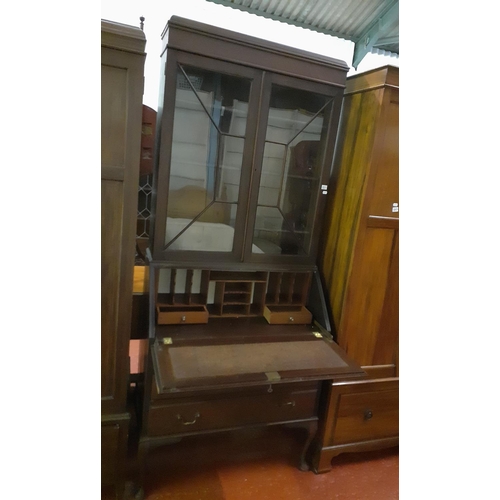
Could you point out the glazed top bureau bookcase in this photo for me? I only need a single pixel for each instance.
(238, 332)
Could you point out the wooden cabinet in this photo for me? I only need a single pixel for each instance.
(246, 133)
(360, 256)
(122, 63)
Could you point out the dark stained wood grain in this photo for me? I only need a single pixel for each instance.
(122, 70)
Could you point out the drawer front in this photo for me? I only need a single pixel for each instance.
(180, 315)
(363, 416)
(185, 416)
(282, 315)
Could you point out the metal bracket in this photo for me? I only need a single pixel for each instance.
(273, 376)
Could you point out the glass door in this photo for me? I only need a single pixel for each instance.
(209, 159)
(292, 171)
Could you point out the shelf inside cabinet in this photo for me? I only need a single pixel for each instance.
(237, 276)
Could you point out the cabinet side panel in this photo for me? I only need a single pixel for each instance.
(360, 114)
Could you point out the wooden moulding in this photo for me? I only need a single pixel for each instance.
(122, 37)
(284, 314)
(231, 46)
(175, 315)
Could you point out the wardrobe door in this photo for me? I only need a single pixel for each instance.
(121, 112)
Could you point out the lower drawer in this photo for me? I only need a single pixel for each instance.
(186, 415)
(363, 411)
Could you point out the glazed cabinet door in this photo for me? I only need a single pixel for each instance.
(295, 148)
(208, 129)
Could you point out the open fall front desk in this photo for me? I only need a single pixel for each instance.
(198, 361)
(234, 373)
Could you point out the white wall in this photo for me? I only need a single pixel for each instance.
(158, 13)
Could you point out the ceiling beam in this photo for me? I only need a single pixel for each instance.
(368, 39)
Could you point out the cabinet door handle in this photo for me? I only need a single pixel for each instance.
(190, 422)
(289, 403)
(368, 414)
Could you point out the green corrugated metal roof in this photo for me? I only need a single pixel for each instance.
(373, 25)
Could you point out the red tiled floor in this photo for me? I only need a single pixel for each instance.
(262, 465)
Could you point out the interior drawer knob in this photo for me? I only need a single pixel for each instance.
(368, 414)
(188, 422)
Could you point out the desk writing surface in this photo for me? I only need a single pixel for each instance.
(211, 364)
(237, 359)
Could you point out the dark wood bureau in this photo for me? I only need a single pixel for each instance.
(239, 333)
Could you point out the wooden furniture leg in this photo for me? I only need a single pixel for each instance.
(321, 461)
(312, 429)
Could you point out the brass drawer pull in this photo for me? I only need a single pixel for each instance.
(184, 422)
(368, 414)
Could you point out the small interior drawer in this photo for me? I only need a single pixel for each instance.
(187, 415)
(284, 314)
(175, 315)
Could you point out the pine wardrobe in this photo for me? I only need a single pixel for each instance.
(359, 263)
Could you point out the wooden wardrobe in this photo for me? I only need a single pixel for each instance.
(122, 71)
(360, 264)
